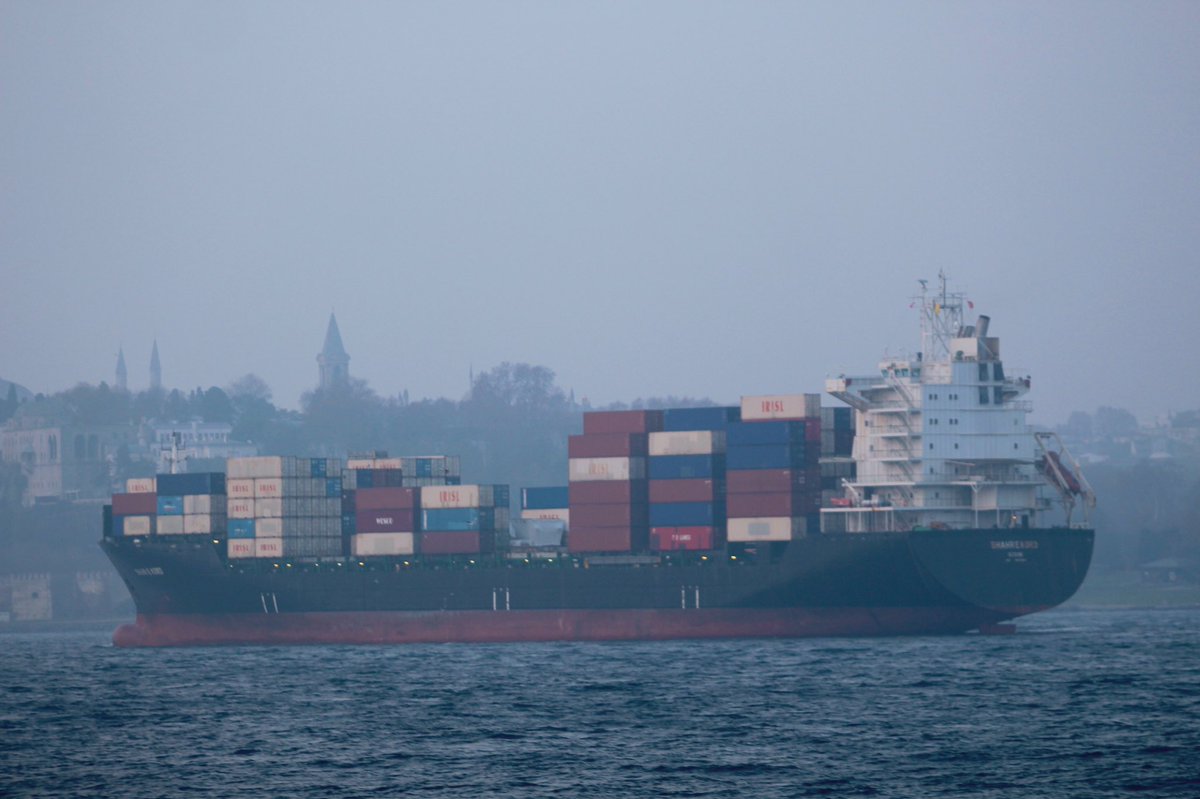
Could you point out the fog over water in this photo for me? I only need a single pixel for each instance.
(703, 199)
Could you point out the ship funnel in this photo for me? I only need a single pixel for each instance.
(981, 326)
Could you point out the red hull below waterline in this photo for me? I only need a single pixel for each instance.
(384, 627)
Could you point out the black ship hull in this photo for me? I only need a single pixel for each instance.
(926, 581)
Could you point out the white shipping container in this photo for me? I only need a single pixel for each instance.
(268, 508)
(587, 469)
(204, 503)
(765, 528)
(262, 466)
(268, 547)
(241, 547)
(688, 442)
(374, 463)
(240, 508)
(367, 544)
(781, 406)
(137, 525)
(208, 523)
(548, 515)
(268, 528)
(170, 525)
(240, 488)
(140, 485)
(267, 487)
(462, 496)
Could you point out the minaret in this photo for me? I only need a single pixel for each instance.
(155, 369)
(122, 375)
(333, 364)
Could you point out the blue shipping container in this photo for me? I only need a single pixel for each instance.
(767, 456)
(687, 514)
(348, 523)
(455, 520)
(170, 506)
(544, 498)
(316, 468)
(685, 467)
(333, 486)
(677, 419)
(179, 485)
(501, 496)
(754, 433)
(240, 528)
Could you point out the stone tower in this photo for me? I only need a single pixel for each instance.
(122, 374)
(333, 364)
(155, 369)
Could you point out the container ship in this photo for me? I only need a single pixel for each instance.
(913, 507)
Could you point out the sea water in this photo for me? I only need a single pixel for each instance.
(1076, 704)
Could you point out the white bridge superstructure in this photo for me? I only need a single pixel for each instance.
(941, 439)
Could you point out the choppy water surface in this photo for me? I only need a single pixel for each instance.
(1077, 704)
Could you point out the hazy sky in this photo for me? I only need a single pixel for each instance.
(705, 199)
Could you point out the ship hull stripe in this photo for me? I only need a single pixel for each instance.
(401, 627)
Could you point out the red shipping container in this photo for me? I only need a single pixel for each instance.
(134, 504)
(812, 430)
(622, 422)
(386, 520)
(607, 445)
(607, 539)
(456, 543)
(743, 506)
(665, 539)
(386, 498)
(605, 492)
(761, 481)
(609, 515)
(697, 490)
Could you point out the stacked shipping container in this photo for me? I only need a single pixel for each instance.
(410, 471)
(284, 507)
(136, 511)
(607, 488)
(463, 519)
(687, 489)
(382, 520)
(773, 468)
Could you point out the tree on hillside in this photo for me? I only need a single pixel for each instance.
(343, 418)
(9, 406)
(215, 406)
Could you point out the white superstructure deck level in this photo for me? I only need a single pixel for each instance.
(941, 438)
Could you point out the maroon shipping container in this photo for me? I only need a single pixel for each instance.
(134, 504)
(697, 490)
(607, 492)
(384, 498)
(607, 445)
(607, 539)
(666, 539)
(741, 506)
(456, 543)
(622, 422)
(760, 481)
(812, 430)
(386, 520)
(610, 515)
